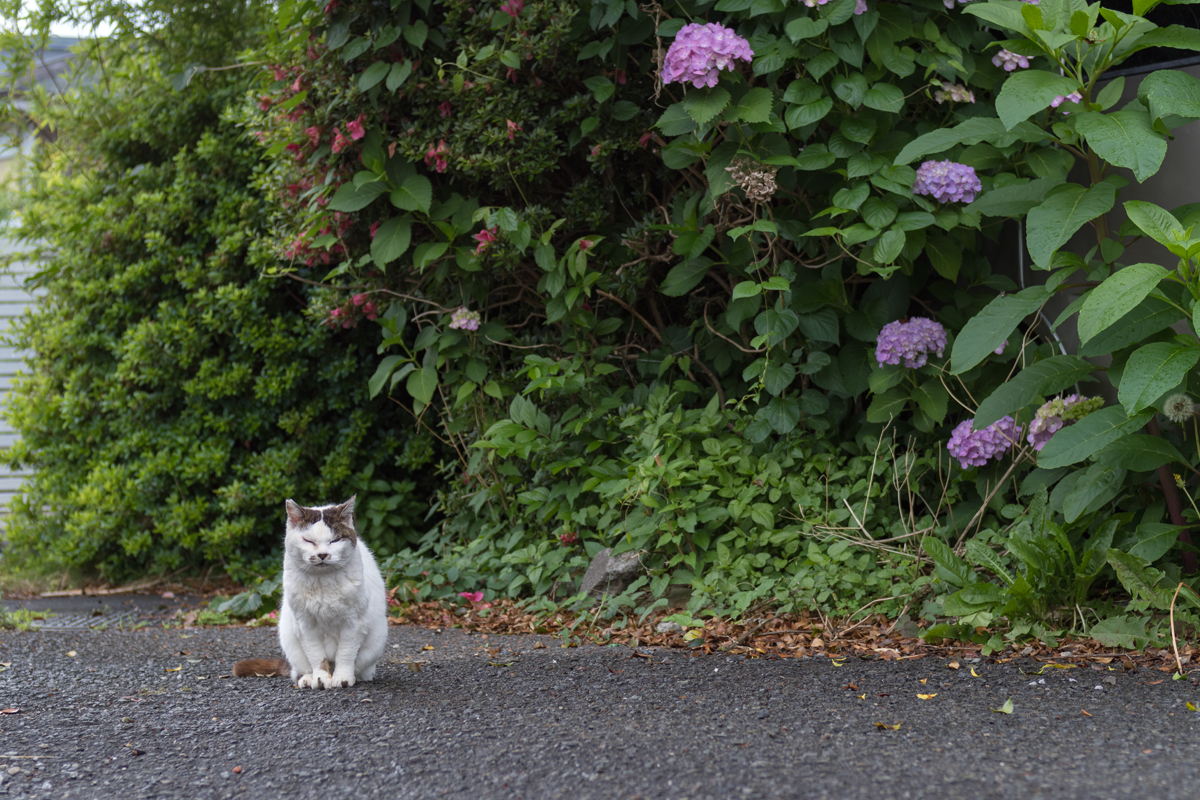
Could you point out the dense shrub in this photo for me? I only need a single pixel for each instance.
(173, 399)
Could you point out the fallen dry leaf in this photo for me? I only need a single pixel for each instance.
(952, 665)
(1086, 714)
(837, 663)
(175, 669)
(10, 711)
(923, 681)
(862, 697)
(1007, 708)
(927, 696)
(975, 674)
(817, 642)
(885, 726)
(71, 653)
(1191, 706)
(1104, 660)
(427, 647)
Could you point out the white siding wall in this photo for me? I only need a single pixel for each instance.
(14, 299)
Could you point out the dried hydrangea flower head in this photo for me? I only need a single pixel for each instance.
(464, 320)
(1179, 408)
(1056, 413)
(701, 51)
(911, 341)
(947, 182)
(975, 448)
(1009, 61)
(755, 179)
(953, 92)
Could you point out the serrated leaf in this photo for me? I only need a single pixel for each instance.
(355, 198)
(1153, 370)
(702, 105)
(1121, 631)
(1089, 436)
(391, 240)
(1124, 138)
(1041, 379)
(1140, 452)
(685, 276)
(415, 194)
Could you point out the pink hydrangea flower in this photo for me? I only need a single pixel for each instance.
(701, 51)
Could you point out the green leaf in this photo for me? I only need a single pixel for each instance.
(807, 114)
(884, 97)
(1124, 138)
(1138, 577)
(1154, 540)
(675, 121)
(1140, 452)
(397, 75)
(1097, 485)
(685, 276)
(1151, 316)
(1065, 210)
(415, 194)
(1089, 436)
(887, 405)
(778, 377)
(355, 198)
(416, 33)
(950, 568)
(1007, 708)
(1014, 200)
(391, 240)
(783, 414)
(850, 88)
(702, 105)
(981, 555)
(422, 384)
(805, 28)
(746, 289)
(932, 398)
(1172, 97)
(972, 131)
(1041, 379)
(754, 106)
(889, 246)
(373, 75)
(1154, 221)
(1120, 631)
(945, 254)
(1029, 91)
(602, 88)
(382, 373)
(988, 329)
(1153, 370)
(1117, 296)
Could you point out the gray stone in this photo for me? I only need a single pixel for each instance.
(669, 627)
(610, 575)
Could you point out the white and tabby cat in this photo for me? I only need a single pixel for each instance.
(333, 619)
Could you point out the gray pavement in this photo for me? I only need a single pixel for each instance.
(151, 714)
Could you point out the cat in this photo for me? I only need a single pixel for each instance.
(333, 618)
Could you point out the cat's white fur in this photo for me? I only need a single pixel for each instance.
(334, 609)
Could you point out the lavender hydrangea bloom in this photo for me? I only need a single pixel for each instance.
(911, 341)
(1056, 413)
(814, 3)
(975, 448)
(947, 182)
(953, 92)
(860, 7)
(701, 51)
(1073, 97)
(465, 320)
(1010, 61)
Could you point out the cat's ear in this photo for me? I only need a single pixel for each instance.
(347, 508)
(295, 513)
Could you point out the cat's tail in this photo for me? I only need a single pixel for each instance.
(261, 668)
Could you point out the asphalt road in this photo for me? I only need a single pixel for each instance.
(150, 714)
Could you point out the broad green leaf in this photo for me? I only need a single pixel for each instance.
(1029, 91)
(1125, 138)
(932, 398)
(1001, 15)
(422, 384)
(382, 373)
(397, 75)
(415, 194)
(1041, 379)
(702, 105)
(1012, 201)
(972, 131)
(807, 114)
(1098, 485)
(685, 276)
(1154, 540)
(950, 567)
(988, 329)
(754, 106)
(355, 198)
(945, 254)
(1119, 294)
(884, 407)
(675, 121)
(1172, 97)
(783, 414)
(1150, 316)
(373, 75)
(1120, 631)
(1153, 370)
(1089, 436)
(1154, 221)
(981, 555)
(1138, 577)
(1140, 452)
(391, 240)
(746, 289)
(805, 28)
(1065, 210)
(884, 97)
(850, 88)
(889, 246)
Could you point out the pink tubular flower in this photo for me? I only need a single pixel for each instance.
(701, 51)
(568, 538)
(595, 151)
(644, 139)
(374, 229)
(358, 299)
(264, 103)
(511, 75)
(355, 128)
(314, 135)
(485, 237)
(436, 157)
(513, 7)
(445, 108)
(584, 244)
(474, 597)
(512, 128)
(340, 142)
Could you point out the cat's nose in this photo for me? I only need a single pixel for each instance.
(322, 556)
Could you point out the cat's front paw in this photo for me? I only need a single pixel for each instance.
(343, 679)
(322, 679)
(305, 682)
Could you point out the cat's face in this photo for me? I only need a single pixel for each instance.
(321, 538)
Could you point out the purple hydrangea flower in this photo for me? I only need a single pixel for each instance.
(700, 51)
(860, 7)
(1010, 61)
(1056, 413)
(975, 448)
(1073, 97)
(954, 93)
(947, 182)
(465, 320)
(911, 341)
(1000, 350)
(814, 3)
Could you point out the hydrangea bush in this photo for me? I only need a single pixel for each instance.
(781, 214)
